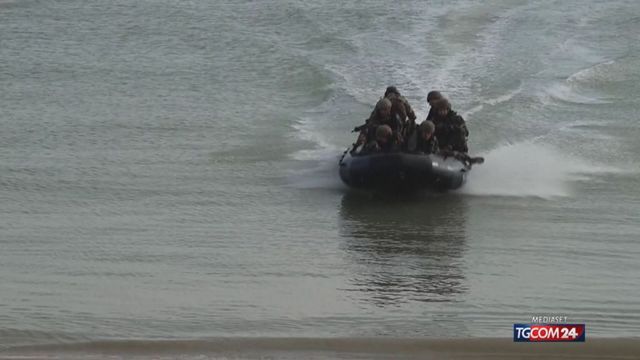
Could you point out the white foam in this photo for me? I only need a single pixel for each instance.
(566, 93)
(307, 131)
(324, 175)
(573, 48)
(590, 73)
(528, 170)
(525, 169)
(493, 101)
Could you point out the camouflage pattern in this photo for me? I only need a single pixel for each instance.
(371, 147)
(377, 119)
(427, 146)
(402, 116)
(452, 132)
(379, 116)
(417, 144)
(384, 141)
(375, 146)
(400, 108)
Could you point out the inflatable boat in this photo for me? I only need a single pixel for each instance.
(402, 171)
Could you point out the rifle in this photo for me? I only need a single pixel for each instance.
(361, 127)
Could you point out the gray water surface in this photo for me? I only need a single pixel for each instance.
(168, 169)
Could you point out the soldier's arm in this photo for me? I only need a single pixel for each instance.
(361, 127)
(410, 114)
(463, 126)
(460, 139)
(430, 115)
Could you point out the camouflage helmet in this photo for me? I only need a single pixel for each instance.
(391, 90)
(427, 127)
(434, 95)
(383, 104)
(441, 104)
(383, 132)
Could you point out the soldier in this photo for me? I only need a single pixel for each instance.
(451, 130)
(431, 97)
(427, 141)
(400, 105)
(380, 115)
(401, 113)
(384, 141)
(422, 140)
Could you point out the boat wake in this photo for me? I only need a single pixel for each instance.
(322, 175)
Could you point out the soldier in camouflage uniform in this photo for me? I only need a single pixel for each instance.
(451, 130)
(384, 141)
(427, 141)
(422, 139)
(380, 115)
(403, 116)
(400, 104)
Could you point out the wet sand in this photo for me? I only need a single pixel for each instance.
(335, 348)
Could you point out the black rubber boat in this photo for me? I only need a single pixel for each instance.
(402, 171)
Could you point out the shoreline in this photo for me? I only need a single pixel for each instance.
(473, 348)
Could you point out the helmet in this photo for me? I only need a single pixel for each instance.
(434, 95)
(427, 127)
(383, 132)
(383, 104)
(391, 90)
(441, 104)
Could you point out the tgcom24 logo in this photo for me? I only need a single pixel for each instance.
(549, 332)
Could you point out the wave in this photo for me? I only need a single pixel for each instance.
(575, 48)
(591, 73)
(566, 93)
(611, 71)
(417, 61)
(493, 101)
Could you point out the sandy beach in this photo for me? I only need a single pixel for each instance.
(334, 348)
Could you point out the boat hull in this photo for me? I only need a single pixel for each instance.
(402, 171)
